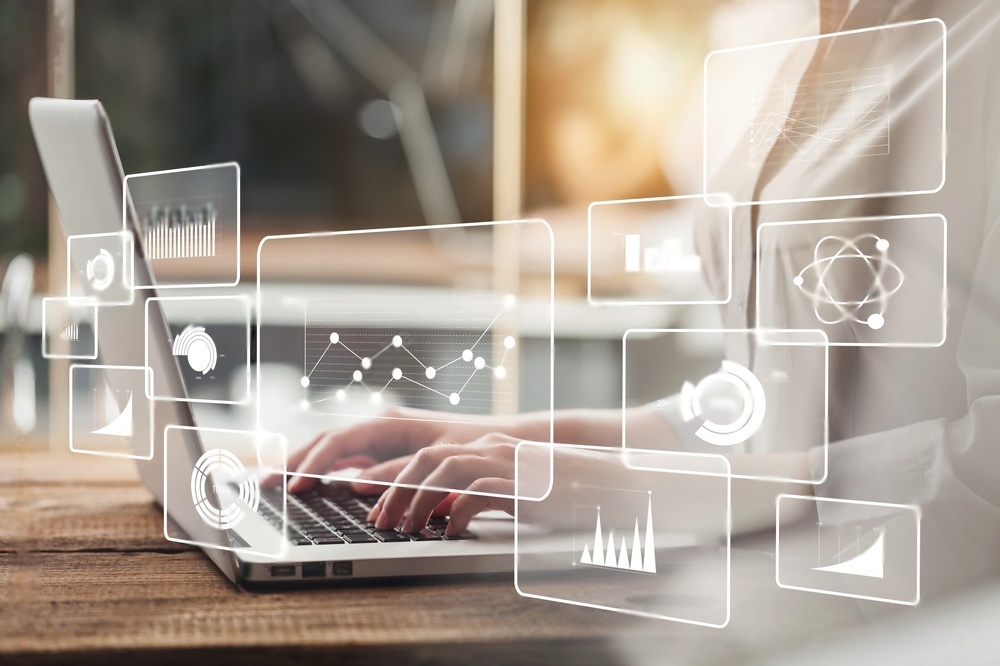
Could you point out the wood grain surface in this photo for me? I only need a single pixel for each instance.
(86, 576)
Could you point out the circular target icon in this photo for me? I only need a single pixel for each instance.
(730, 404)
(234, 492)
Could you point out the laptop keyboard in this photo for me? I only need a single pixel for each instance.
(331, 515)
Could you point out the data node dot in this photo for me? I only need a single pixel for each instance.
(454, 398)
(366, 363)
(509, 301)
(357, 375)
(305, 382)
(397, 373)
(500, 372)
(397, 341)
(341, 394)
(377, 396)
(334, 338)
(509, 342)
(881, 245)
(430, 373)
(304, 405)
(480, 363)
(876, 321)
(467, 355)
(797, 280)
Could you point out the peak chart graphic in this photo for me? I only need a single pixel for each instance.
(640, 557)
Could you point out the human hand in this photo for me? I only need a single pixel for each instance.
(382, 447)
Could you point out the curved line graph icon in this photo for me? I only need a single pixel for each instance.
(869, 562)
(198, 348)
(117, 423)
(694, 400)
(868, 256)
(233, 503)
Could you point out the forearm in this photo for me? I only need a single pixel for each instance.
(597, 427)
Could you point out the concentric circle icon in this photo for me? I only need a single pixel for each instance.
(850, 279)
(198, 348)
(743, 412)
(235, 492)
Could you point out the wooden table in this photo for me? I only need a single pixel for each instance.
(86, 575)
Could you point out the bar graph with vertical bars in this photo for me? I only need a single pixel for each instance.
(181, 232)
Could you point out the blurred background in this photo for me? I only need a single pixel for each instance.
(354, 114)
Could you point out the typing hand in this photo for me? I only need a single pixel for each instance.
(482, 471)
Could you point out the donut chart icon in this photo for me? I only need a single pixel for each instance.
(101, 270)
(744, 413)
(198, 347)
(235, 491)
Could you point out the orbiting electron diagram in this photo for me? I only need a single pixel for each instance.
(850, 280)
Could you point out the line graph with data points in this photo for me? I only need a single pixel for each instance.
(437, 357)
(821, 115)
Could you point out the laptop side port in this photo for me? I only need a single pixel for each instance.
(314, 569)
(343, 568)
(282, 570)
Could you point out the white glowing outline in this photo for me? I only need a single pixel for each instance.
(876, 218)
(760, 335)
(590, 250)
(125, 214)
(666, 454)
(148, 377)
(834, 35)
(551, 320)
(151, 389)
(777, 547)
(72, 301)
(257, 436)
(127, 268)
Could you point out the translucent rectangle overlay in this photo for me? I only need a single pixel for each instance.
(757, 392)
(69, 328)
(837, 124)
(210, 340)
(104, 265)
(211, 486)
(660, 251)
(109, 414)
(866, 282)
(378, 363)
(848, 548)
(189, 224)
(644, 533)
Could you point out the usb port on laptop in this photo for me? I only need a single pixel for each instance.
(313, 569)
(282, 570)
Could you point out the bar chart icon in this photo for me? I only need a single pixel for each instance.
(181, 233)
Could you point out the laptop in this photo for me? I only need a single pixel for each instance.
(326, 538)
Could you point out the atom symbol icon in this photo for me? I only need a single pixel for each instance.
(842, 265)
